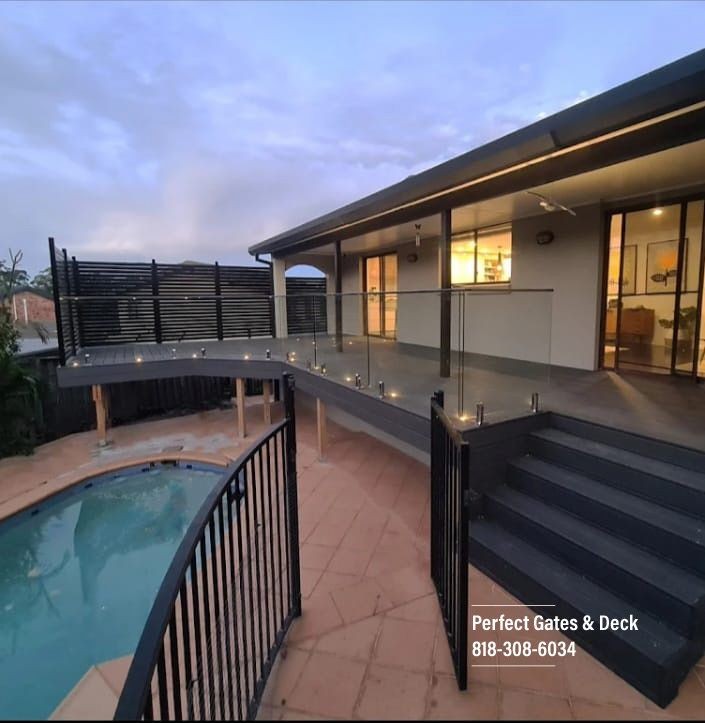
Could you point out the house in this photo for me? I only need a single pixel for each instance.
(601, 203)
(30, 305)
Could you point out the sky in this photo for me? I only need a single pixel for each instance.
(131, 131)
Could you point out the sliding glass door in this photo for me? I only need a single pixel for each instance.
(653, 308)
(381, 296)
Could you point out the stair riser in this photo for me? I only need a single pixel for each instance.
(673, 547)
(685, 619)
(655, 488)
(659, 685)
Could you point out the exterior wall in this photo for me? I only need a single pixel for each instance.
(524, 326)
(28, 308)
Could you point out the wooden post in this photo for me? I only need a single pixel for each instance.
(321, 428)
(266, 401)
(100, 398)
(240, 401)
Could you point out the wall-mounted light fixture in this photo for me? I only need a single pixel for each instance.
(418, 235)
(412, 258)
(544, 237)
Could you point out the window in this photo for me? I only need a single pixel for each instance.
(482, 257)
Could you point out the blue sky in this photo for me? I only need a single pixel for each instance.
(139, 130)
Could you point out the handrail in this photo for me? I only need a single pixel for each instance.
(135, 699)
(478, 291)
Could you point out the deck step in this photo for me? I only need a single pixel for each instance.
(664, 590)
(667, 484)
(655, 660)
(671, 534)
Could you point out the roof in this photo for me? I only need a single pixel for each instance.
(665, 90)
(32, 290)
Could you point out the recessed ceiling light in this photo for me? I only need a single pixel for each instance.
(657, 211)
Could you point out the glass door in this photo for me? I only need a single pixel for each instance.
(381, 297)
(653, 294)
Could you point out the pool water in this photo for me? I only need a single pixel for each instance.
(79, 575)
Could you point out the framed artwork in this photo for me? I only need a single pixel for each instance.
(628, 272)
(662, 266)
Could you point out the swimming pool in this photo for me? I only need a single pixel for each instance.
(78, 576)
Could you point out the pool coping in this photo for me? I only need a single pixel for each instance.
(16, 505)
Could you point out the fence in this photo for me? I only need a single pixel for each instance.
(306, 306)
(229, 596)
(101, 303)
(450, 531)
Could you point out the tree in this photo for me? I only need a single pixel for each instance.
(18, 388)
(43, 281)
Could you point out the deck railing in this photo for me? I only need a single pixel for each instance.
(450, 529)
(229, 596)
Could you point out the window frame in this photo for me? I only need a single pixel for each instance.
(475, 235)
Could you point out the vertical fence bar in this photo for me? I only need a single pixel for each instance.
(292, 495)
(77, 288)
(69, 303)
(156, 303)
(218, 302)
(57, 301)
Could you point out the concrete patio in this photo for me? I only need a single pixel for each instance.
(370, 643)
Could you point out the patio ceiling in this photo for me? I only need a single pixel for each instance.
(650, 177)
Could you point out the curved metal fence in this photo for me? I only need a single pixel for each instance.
(229, 596)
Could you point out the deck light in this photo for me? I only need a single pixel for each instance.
(479, 414)
(381, 389)
(348, 379)
(138, 359)
(247, 356)
(203, 352)
(393, 395)
(74, 363)
(194, 355)
(463, 417)
(267, 354)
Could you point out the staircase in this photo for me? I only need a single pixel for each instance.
(601, 522)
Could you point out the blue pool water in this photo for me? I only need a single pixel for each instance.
(79, 576)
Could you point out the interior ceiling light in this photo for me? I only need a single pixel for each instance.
(550, 204)
(418, 234)
(657, 211)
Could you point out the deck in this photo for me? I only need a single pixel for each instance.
(668, 408)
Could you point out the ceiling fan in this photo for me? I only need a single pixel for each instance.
(549, 204)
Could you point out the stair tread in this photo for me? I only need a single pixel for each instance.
(658, 572)
(654, 640)
(675, 522)
(647, 465)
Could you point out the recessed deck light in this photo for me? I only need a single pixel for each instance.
(138, 359)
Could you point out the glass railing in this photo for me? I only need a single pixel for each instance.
(386, 345)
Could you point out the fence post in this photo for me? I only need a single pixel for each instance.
(155, 303)
(463, 564)
(218, 303)
(57, 301)
(291, 492)
(69, 291)
(436, 480)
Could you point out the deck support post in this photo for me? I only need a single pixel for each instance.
(321, 428)
(338, 297)
(240, 403)
(266, 401)
(102, 415)
(445, 284)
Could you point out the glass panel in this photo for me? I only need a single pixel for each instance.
(373, 287)
(689, 285)
(649, 277)
(494, 255)
(614, 253)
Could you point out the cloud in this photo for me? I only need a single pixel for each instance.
(175, 131)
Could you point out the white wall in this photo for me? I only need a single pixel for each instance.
(418, 314)
(572, 266)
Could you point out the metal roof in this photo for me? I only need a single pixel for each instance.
(670, 88)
